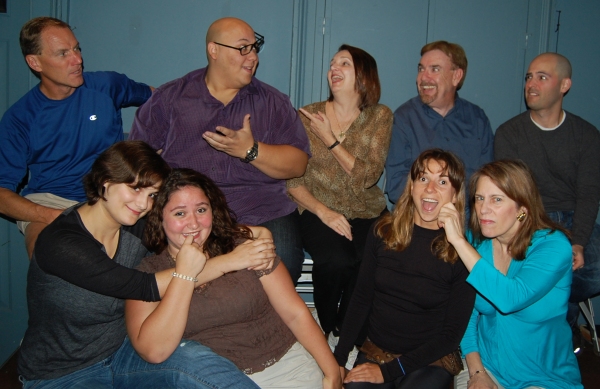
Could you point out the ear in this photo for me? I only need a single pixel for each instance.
(33, 62)
(457, 76)
(454, 198)
(565, 85)
(211, 49)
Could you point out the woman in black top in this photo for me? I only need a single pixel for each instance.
(411, 290)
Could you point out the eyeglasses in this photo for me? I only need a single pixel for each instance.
(245, 50)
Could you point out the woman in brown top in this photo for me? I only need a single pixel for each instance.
(338, 198)
(254, 318)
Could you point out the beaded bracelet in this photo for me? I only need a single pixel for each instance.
(477, 372)
(187, 278)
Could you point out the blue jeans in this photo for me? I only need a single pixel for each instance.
(586, 281)
(191, 365)
(288, 242)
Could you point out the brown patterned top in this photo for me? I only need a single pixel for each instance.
(356, 195)
(233, 316)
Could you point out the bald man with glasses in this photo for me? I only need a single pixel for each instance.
(239, 131)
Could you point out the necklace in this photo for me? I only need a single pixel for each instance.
(345, 126)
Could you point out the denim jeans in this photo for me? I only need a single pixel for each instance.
(191, 365)
(288, 243)
(586, 281)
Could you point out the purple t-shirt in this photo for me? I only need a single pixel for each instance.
(177, 114)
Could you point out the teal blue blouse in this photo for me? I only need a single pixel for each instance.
(519, 324)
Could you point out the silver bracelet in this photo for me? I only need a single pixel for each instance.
(477, 372)
(187, 278)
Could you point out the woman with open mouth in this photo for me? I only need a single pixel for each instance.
(411, 290)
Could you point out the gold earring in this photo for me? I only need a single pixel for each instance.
(521, 216)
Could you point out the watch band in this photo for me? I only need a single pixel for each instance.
(251, 154)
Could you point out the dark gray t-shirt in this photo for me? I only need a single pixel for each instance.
(75, 297)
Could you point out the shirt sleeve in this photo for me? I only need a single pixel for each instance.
(151, 123)
(366, 172)
(487, 142)
(469, 342)
(123, 91)
(78, 259)
(14, 138)
(587, 190)
(285, 127)
(546, 262)
(399, 160)
(504, 147)
(458, 312)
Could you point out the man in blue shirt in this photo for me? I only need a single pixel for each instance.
(437, 118)
(56, 131)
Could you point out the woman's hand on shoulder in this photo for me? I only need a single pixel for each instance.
(257, 254)
(449, 219)
(190, 258)
(481, 381)
(320, 126)
(366, 372)
(337, 222)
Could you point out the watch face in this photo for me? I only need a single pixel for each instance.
(251, 154)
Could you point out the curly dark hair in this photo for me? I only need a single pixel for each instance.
(226, 232)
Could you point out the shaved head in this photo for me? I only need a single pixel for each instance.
(222, 27)
(561, 63)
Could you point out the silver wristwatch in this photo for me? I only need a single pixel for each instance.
(251, 154)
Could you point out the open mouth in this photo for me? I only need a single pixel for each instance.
(429, 205)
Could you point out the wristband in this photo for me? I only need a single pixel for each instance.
(337, 142)
(187, 278)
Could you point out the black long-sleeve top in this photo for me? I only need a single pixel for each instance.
(415, 304)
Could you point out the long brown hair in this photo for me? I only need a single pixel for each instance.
(516, 181)
(226, 232)
(396, 228)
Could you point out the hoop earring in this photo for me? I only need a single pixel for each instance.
(521, 216)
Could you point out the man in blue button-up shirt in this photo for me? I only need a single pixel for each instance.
(438, 118)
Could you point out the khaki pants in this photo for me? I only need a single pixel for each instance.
(47, 200)
(296, 369)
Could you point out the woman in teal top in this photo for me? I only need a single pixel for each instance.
(520, 265)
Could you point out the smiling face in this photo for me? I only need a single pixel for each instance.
(496, 212)
(341, 74)
(544, 86)
(60, 64)
(437, 80)
(236, 70)
(127, 204)
(188, 212)
(430, 191)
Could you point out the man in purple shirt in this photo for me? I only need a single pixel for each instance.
(239, 131)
